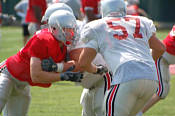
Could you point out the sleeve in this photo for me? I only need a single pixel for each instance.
(172, 32)
(89, 38)
(18, 6)
(39, 48)
(150, 27)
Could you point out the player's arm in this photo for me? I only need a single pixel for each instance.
(40, 76)
(85, 61)
(45, 71)
(75, 55)
(158, 48)
(142, 12)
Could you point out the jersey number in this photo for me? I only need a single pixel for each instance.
(136, 34)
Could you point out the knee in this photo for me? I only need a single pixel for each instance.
(163, 92)
(27, 94)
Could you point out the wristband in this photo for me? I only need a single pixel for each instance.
(60, 67)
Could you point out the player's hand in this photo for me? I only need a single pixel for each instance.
(12, 18)
(49, 65)
(71, 76)
(101, 69)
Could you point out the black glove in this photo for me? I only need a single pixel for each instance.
(49, 65)
(71, 76)
(101, 69)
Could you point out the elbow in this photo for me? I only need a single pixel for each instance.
(162, 49)
(82, 67)
(35, 78)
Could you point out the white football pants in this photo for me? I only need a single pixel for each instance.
(92, 100)
(14, 95)
(128, 98)
(162, 65)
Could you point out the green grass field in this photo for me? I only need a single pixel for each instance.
(62, 99)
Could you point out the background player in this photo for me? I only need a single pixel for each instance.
(90, 9)
(21, 10)
(134, 9)
(74, 5)
(162, 65)
(35, 11)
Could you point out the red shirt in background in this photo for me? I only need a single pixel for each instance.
(92, 4)
(30, 16)
(42, 45)
(169, 42)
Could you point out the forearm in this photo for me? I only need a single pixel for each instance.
(45, 77)
(68, 64)
(156, 54)
(21, 14)
(158, 48)
(40, 76)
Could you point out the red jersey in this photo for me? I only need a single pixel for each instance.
(132, 10)
(30, 16)
(42, 45)
(169, 42)
(90, 3)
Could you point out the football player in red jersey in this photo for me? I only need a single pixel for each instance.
(162, 65)
(35, 11)
(25, 69)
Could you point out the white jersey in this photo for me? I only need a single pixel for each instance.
(121, 40)
(21, 9)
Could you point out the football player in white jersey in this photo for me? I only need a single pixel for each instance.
(124, 42)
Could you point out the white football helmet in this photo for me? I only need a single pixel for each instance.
(116, 8)
(52, 8)
(63, 26)
(130, 2)
(75, 6)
